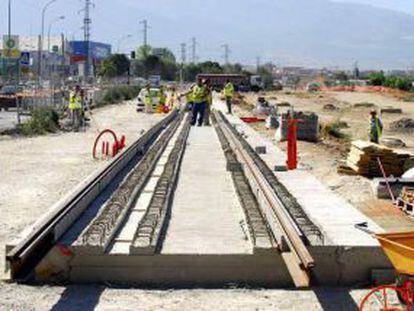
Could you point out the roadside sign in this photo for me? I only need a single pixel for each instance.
(11, 46)
(25, 58)
(10, 42)
(11, 54)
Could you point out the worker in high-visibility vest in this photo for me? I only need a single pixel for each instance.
(162, 100)
(189, 99)
(228, 93)
(75, 108)
(172, 100)
(209, 103)
(376, 127)
(199, 93)
(148, 99)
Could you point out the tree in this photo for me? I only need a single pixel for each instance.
(376, 78)
(115, 65)
(341, 76)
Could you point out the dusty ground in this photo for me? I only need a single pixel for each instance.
(84, 298)
(36, 172)
(322, 158)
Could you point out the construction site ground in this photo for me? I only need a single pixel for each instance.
(37, 171)
(322, 158)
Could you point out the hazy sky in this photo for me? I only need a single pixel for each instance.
(113, 20)
(400, 5)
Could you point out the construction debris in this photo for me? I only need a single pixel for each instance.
(381, 191)
(407, 195)
(406, 200)
(308, 126)
(363, 159)
(403, 125)
(391, 110)
(364, 105)
(392, 142)
(330, 107)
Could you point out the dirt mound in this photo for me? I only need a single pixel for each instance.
(364, 105)
(403, 125)
(330, 107)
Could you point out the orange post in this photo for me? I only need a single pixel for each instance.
(292, 144)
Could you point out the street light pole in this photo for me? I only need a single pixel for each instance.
(50, 29)
(9, 32)
(42, 37)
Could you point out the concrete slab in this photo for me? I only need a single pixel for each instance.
(332, 214)
(206, 213)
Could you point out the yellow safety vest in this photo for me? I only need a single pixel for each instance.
(199, 94)
(74, 101)
(229, 90)
(210, 98)
(162, 98)
(376, 129)
(148, 98)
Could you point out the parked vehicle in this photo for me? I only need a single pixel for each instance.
(154, 81)
(8, 97)
(141, 99)
(241, 82)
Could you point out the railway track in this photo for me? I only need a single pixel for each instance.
(117, 222)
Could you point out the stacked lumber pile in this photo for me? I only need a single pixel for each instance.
(363, 159)
(407, 195)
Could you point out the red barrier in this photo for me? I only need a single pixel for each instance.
(117, 145)
(292, 144)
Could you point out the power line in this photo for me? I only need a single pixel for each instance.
(145, 31)
(226, 53)
(87, 21)
(183, 53)
(193, 50)
(258, 62)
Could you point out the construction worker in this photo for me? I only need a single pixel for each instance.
(228, 93)
(148, 99)
(189, 99)
(173, 98)
(75, 107)
(162, 100)
(199, 93)
(376, 127)
(209, 103)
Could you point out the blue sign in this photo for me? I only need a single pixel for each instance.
(99, 51)
(25, 58)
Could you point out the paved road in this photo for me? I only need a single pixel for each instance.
(8, 119)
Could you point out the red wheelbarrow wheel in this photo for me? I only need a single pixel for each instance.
(386, 298)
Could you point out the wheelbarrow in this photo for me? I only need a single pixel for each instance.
(399, 248)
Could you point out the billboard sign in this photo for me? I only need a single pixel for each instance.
(99, 51)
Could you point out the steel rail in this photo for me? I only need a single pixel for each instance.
(297, 247)
(24, 257)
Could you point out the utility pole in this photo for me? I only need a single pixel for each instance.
(226, 53)
(145, 31)
(183, 53)
(87, 37)
(258, 63)
(183, 61)
(193, 50)
(9, 37)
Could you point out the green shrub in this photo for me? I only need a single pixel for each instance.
(43, 120)
(334, 129)
(117, 94)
